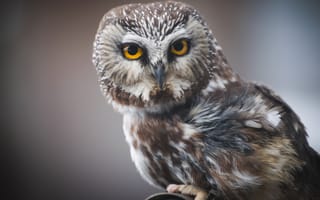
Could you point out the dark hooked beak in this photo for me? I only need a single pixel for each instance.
(159, 74)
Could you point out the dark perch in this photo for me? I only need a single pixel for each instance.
(168, 196)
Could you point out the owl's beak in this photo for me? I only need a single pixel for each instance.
(159, 74)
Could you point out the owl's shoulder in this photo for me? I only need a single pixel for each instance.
(241, 101)
(244, 111)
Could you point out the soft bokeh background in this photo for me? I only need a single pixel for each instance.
(67, 142)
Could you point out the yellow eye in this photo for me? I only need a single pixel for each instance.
(132, 51)
(180, 47)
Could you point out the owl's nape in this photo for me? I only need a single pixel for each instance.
(156, 55)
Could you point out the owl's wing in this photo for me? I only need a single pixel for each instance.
(252, 137)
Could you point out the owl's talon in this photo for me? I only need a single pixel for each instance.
(198, 193)
(172, 188)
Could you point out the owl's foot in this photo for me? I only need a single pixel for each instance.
(198, 193)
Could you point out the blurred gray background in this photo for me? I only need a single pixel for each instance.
(67, 142)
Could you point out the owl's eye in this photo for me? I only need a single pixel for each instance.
(132, 51)
(180, 47)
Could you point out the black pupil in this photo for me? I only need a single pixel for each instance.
(132, 49)
(178, 46)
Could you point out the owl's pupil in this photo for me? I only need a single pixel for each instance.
(132, 49)
(178, 46)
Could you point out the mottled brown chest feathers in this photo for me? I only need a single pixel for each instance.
(165, 136)
(168, 150)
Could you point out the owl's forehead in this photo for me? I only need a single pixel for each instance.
(155, 20)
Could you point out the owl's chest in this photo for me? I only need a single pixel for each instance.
(163, 150)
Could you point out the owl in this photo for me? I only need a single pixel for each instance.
(193, 125)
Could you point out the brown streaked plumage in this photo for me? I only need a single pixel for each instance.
(192, 124)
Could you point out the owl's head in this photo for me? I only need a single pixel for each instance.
(156, 55)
